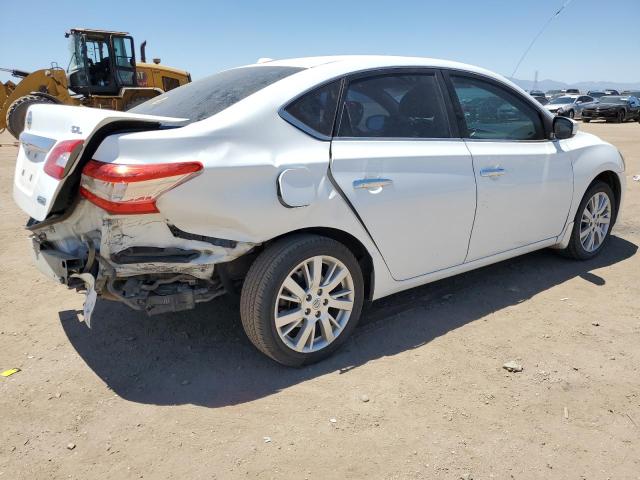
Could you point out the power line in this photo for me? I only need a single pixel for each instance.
(544, 27)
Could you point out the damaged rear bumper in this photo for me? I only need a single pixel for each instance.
(141, 261)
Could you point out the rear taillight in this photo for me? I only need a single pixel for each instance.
(132, 189)
(58, 158)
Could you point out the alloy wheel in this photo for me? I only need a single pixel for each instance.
(595, 222)
(314, 304)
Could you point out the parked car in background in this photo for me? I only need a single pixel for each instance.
(614, 108)
(309, 185)
(571, 91)
(551, 94)
(542, 100)
(631, 93)
(610, 91)
(537, 93)
(569, 105)
(596, 93)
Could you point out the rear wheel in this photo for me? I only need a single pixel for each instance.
(301, 299)
(17, 112)
(572, 114)
(592, 223)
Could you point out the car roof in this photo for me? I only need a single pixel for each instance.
(376, 61)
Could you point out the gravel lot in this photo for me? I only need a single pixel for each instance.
(419, 392)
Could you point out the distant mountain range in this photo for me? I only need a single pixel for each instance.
(546, 85)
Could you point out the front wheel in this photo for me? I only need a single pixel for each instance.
(592, 223)
(301, 299)
(17, 112)
(572, 114)
(621, 117)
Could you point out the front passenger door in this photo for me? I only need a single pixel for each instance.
(524, 180)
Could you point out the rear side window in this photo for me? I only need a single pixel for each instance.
(493, 113)
(316, 110)
(206, 97)
(394, 106)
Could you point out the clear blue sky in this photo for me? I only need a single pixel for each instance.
(207, 36)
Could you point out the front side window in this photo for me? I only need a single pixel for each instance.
(394, 106)
(206, 97)
(316, 110)
(124, 59)
(493, 113)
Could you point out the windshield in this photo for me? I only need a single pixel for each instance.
(613, 99)
(206, 97)
(75, 51)
(561, 100)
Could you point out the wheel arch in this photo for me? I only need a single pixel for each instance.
(610, 178)
(353, 244)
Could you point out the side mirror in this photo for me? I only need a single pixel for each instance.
(564, 127)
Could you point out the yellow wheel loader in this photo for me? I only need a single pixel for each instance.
(102, 73)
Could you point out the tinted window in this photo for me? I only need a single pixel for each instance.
(208, 96)
(491, 112)
(317, 109)
(562, 100)
(169, 83)
(616, 100)
(394, 106)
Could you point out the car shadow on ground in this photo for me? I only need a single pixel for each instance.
(202, 357)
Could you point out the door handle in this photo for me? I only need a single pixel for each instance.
(492, 172)
(372, 183)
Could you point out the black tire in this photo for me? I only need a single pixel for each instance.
(262, 285)
(621, 117)
(586, 120)
(575, 248)
(571, 114)
(17, 112)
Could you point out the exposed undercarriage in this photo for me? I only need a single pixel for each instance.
(149, 265)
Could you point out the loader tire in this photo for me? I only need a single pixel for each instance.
(17, 112)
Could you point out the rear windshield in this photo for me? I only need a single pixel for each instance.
(206, 97)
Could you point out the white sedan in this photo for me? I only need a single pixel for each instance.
(309, 186)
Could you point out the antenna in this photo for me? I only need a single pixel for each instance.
(544, 27)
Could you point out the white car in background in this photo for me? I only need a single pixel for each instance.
(310, 185)
(570, 105)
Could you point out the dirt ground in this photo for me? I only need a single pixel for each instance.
(419, 392)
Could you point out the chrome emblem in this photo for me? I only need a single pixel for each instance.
(76, 129)
(29, 120)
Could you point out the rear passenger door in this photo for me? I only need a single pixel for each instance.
(524, 180)
(410, 178)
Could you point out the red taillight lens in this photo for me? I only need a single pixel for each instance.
(58, 157)
(132, 189)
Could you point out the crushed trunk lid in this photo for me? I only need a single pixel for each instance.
(34, 190)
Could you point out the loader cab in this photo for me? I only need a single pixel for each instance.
(101, 62)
